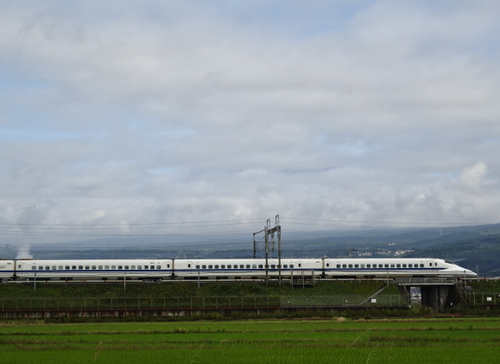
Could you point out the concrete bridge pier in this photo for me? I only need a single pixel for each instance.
(438, 297)
(436, 293)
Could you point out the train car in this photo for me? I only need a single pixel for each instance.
(244, 268)
(164, 269)
(394, 268)
(7, 267)
(92, 269)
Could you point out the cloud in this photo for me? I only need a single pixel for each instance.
(473, 177)
(201, 111)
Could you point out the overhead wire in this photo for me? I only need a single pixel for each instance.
(165, 228)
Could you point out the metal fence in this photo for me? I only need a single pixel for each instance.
(205, 302)
(136, 303)
(344, 301)
(483, 299)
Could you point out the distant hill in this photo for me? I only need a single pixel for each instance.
(479, 253)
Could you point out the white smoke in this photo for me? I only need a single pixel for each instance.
(30, 216)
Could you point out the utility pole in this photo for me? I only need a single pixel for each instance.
(270, 231)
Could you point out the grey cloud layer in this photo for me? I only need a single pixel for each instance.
(376, 111)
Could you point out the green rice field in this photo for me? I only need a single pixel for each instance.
(335, 340)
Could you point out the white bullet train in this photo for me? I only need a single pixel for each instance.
(192, 269)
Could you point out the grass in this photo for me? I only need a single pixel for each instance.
(336, 340)
(183, 289)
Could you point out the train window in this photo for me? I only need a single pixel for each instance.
(197, 266)
(254, 266)
(120, 267)
(421, 265)
(387, 265)
(80, 267)
(350, 265)
(338, 265)
(356, 265)
(242, 266)
(47, 267)
(210, 266)
(430, 264)
(368, 266)
(127, 267)
(362, 265)
(158, 267)
(261, 266)
(203, 267)
(327, 265)
(66, 267)
(223, 266)
(410, 265)
(94, 267)
(398, 265)
(73, 267)
(216, 266)
(168, 265)
(113, 267)
(146, 267)
(344, 265)
(132, 267)
(300, 265)
(381, 266)
(404, 265)
(152, 267)
(106, 267)
(248, 266)
(291, 266)
(273, 266)
(99, 267)
(392, 265)
(32, 268)
(285, 266)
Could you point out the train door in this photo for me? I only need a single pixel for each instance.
(324, 265)
(189, 269)
(299, 269)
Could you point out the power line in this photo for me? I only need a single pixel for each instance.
(337, 222)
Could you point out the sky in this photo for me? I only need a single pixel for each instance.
(139, 117)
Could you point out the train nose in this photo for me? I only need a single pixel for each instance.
(469, 274)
